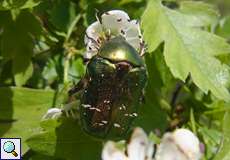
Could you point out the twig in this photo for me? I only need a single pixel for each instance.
(176, 93)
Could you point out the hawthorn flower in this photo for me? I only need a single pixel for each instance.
(112, 24)
(52, 113)
(139, 148)
(181, 144)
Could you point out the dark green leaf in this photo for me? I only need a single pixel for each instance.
(21, 110)
(17, 43)
(63, 14)
(65, 140)
(149, 117)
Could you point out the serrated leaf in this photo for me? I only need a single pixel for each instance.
(187, 50)
(21, 110)
(206, 14)
(65, 140)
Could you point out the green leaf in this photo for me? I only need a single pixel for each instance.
(224, 28)
(123, 2)
(205, 14)
(15, 4)
(49, 72)
(21, 110)
(148, 117)
(224, 152)
(6, 74)
(64, 139)
(30, 4)
(211, 137)
(76, 70)
(18, 42)
(22, 70)
(187, 50)
(35, 156)
(63, 14)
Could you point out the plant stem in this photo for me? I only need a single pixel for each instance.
(176, 93)
(192, 120)
(66, 68)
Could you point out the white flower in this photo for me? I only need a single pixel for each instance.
(139, 148)
(182, 144)
(112, 24)
(111, 152)
(52, 113)
(68, 109)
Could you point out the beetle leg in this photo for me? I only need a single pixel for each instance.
(66, 113)
(78, 87)
(143, 48)
(142, 98)
(70, 110)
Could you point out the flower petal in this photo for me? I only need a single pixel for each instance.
(188, 142)
(134, 42)
(149, 151)
(92, 50)
(94, 33)
(110, 152)
(114, 21)
(139, 148)
(52, 113)
(133, 30)
(112, 24)
(180, 145)
(89, 55)
(133, 34)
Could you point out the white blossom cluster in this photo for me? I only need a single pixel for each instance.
(181, 144)
(112, 24)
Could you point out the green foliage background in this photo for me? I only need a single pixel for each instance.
(41, 48)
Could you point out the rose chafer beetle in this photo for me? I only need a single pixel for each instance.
(112, 89)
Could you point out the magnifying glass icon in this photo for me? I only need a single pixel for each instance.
(9, 147)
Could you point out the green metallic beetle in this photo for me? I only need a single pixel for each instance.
(114, 83)
(115, 76)
(112, 89)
